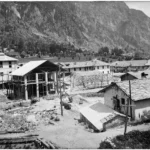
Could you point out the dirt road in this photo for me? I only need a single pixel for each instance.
(70, 134)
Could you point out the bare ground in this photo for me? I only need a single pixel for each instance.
(68, 132)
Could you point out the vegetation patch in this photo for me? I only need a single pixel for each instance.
(132, 140)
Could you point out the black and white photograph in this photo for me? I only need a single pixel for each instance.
(74, 74)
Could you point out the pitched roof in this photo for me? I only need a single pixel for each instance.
(84, 64)
(138, 62)
(140, 89)
(118, 74)
(129, 63)
(13, 53)
(30, 66)
(120, 63)
(3, 57)
(98, 114)
(27, 68)
(138, 74)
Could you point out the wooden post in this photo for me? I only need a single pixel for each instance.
(46, 82)
(126, 120)
(130, 99)
(61, 105)
(26, 88)
(128, 103)
(63, 82)
(56, 82)
(2, 82)
(37, 85)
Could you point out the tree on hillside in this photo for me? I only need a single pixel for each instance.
(23, 54)
(103, 51)
(117, 52)
(137, 56)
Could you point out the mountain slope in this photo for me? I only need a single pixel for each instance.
(84, 24)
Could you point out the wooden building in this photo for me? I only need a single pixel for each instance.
(116, 96)
(35, 79)
(100, 117)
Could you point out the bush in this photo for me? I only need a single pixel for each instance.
(105, 145)
(133, 140)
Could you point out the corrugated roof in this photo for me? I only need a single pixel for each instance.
(3, 57)
(27, 68)
(140, 89)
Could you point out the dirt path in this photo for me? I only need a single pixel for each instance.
(70, 134)
(84, 91)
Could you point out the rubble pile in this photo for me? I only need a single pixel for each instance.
(47, 117)
(15, 123)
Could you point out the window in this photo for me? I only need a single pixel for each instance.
(10, 64)
(74, 69)
(98, 67)
(69, 70)
(1, 73)
(102, 67)
(107, 66)
(79, 68)
(123, 101)
(1, 64)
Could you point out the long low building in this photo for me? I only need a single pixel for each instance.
(127, 66)
(86, 66)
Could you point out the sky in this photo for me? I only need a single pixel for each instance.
(144, 6)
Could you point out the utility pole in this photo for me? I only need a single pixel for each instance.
(128, 103)
(61, 104)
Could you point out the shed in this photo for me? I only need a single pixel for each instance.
(116, 96)
(100, 117)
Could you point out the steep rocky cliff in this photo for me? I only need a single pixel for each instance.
(84, 24)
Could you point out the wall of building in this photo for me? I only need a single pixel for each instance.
(140, 106)
(5, 69)
(104, 69)
(112, 92)
(114, 122)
